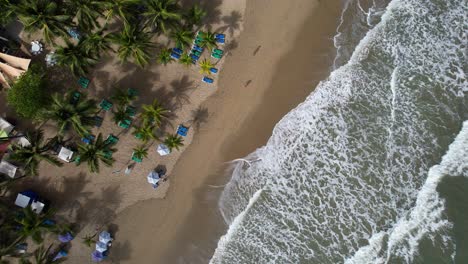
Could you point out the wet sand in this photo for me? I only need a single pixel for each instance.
(286, 48)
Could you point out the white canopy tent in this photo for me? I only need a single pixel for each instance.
(22, 200)
(65, 154)
(105, 237)
(5, 126)
(101, 247)
(153, 177)
(8, 169)
(163, 150)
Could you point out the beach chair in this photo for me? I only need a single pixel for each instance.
(130, 111)
(207, 80)
(88, 139)
(83, 82)
(111, 140)
(218, 51)
(196, 53)
(182, 130)
(216, 56)
(220, 41)
(125, 124)
(220, 36)
(107, 154)
(194, 57)
(77, 160)
(178, 51)
(75, 98)
(197, 48)
(213, 70)
(136, 159)
(132, 92)
(98, 121)
(105, 105)
(175, 56)
(138, 135)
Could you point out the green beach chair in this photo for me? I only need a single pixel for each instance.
(77, 160)
(132, 92)
(216, 56)
(136, 159)
(75, 98)
(112, 140)
(107, 154)
(125, 124)
(130, 111)
(83, 82)
(105, 105)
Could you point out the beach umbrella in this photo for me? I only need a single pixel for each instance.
(163, 150)
(105, 237)
(153, 177)
(97, 256)
(67, 237)
(60, 254)
(101, 247)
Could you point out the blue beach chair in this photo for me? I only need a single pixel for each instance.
(213, 70)
(175, 56)
(207, 80)
(177, 51)
(182, 130)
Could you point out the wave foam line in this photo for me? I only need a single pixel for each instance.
(232, 229)
(427, 217)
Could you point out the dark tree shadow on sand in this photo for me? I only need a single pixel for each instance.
(232, 22)
(199, 116)
(180, 90)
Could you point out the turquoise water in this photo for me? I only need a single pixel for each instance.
(372, 167)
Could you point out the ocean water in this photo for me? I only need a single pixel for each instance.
(373, 166)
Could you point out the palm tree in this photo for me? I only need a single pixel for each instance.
(195, 15)
(120, 115)
(79, 116)
(122, 97)
(122, 9)
(154, 113)
(43, 256)
(76, 57)
(96, 152)
(34, 225)
(144, 133)
(96, 43)
(7, 11)
(186, 60)
(173, 142)
(140, 152)
(164, 56)
(89, 240)
(86, 12)
(43, 15)
(162, 14)
(183, 38)
(205, 66)
(208, 40)
(134, 43)
(31, 155)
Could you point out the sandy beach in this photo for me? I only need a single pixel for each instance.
(278, 60)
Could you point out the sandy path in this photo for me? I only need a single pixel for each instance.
(285, 49)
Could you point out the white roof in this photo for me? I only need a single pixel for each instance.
(65, 154)
(5, 126)
(22, 200)
(163, 150)
(8, 169)
(105, 237)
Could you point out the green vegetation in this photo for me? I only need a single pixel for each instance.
(162, 15)
(95, 153)
(28, 95)
(182, 38)
(173, 142)
(205, 66)
(154, 113)
(76, 57)
(133, 43)
(65, 114)
(164, 56)
(34, 225)
(186, 60)
(144, 133)
(30, 156)
(195, 15)
(208, 41)
(140, 152)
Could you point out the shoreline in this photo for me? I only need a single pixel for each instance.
(252, 97)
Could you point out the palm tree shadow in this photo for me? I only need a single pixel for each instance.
(231, 22)
(120, 251)
(100, 210)
(213, 13)
(199, 116)
(180, 89)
